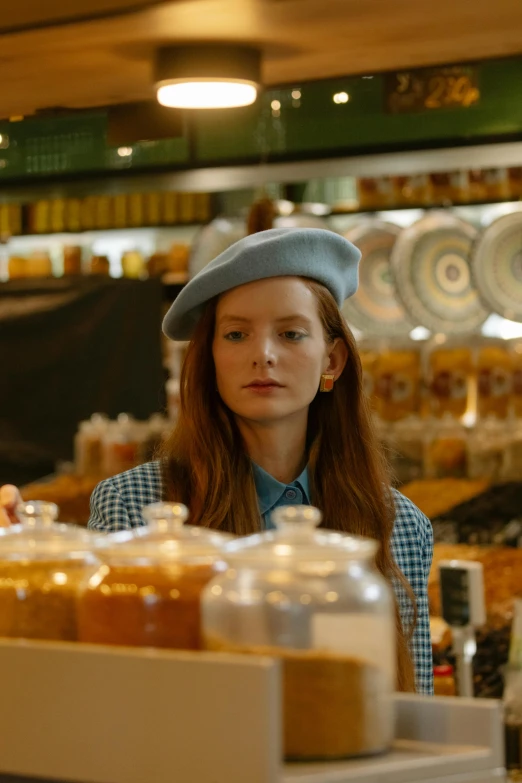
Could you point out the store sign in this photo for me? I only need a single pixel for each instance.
(431, 88)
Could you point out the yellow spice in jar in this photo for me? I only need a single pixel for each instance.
(334, 706)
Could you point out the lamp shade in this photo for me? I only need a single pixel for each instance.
(207, 76)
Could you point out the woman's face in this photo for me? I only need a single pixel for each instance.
(270, 349)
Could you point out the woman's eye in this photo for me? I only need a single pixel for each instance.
(293, 336)
(234, 336)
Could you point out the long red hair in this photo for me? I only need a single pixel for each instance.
(207, 467)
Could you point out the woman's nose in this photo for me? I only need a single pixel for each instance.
(264, 354)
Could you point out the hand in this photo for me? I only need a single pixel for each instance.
(9, 499)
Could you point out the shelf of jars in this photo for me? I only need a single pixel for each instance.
(169, 608)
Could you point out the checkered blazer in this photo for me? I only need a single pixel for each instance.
(116, 504)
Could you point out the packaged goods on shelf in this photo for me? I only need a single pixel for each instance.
(73, 221)
(406, 449)
(72, 260)
(99, 265)
(486, 448)
(396, 384)
(105, 448)
(133, 264)
(494, 380)
(121, 445)
(444, 680)
(17, 267)
(375, 193)
(446, 450)
(449, 380)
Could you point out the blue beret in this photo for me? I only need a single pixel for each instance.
(304, 252)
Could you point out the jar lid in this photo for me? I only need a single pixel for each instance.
(443, 671)
(296, 541)
(40, 537)
(166, 537)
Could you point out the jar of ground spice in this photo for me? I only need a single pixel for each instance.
(314, 599)
(43, 567)
(147, 592)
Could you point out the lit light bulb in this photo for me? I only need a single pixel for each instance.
(341, 97)
(207, 94)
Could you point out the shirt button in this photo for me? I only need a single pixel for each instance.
(291, 494)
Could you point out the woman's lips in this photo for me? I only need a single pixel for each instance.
(264, 387)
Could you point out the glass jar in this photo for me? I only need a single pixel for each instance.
(408, 449)
(147, 592)
(99, 265)
(72, 260)
(443, 681)
(446, 449)
(88, 442)
(314, 599)
(397, 375)
(121, 444)
(450, 377)
(486, 446)
(512, 462)
(133, 264)
(43, 566)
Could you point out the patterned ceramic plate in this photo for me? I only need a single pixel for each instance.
(497, 266)
(431, 263)
(375, 308)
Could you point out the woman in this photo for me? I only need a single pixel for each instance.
(272, 413)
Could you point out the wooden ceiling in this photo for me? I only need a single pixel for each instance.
(97, 52)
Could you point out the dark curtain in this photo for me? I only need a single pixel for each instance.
(69, 348)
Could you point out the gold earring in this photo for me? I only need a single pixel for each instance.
(327, 382)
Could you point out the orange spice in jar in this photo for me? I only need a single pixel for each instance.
(148, 591)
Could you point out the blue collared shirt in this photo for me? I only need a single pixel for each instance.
(272, 494)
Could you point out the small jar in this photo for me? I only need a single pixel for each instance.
(408, 449)
(147, 592)
(512, 462)
(43, 567)
(486, 447)
(99, 266)
(315, 600)
(72, 260)
(121, 442)
(133, 264)
(443, 681)
(446, 449)
(88, 445)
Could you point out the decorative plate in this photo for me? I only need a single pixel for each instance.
(431, 263)
(497, 266)
(375, 308)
